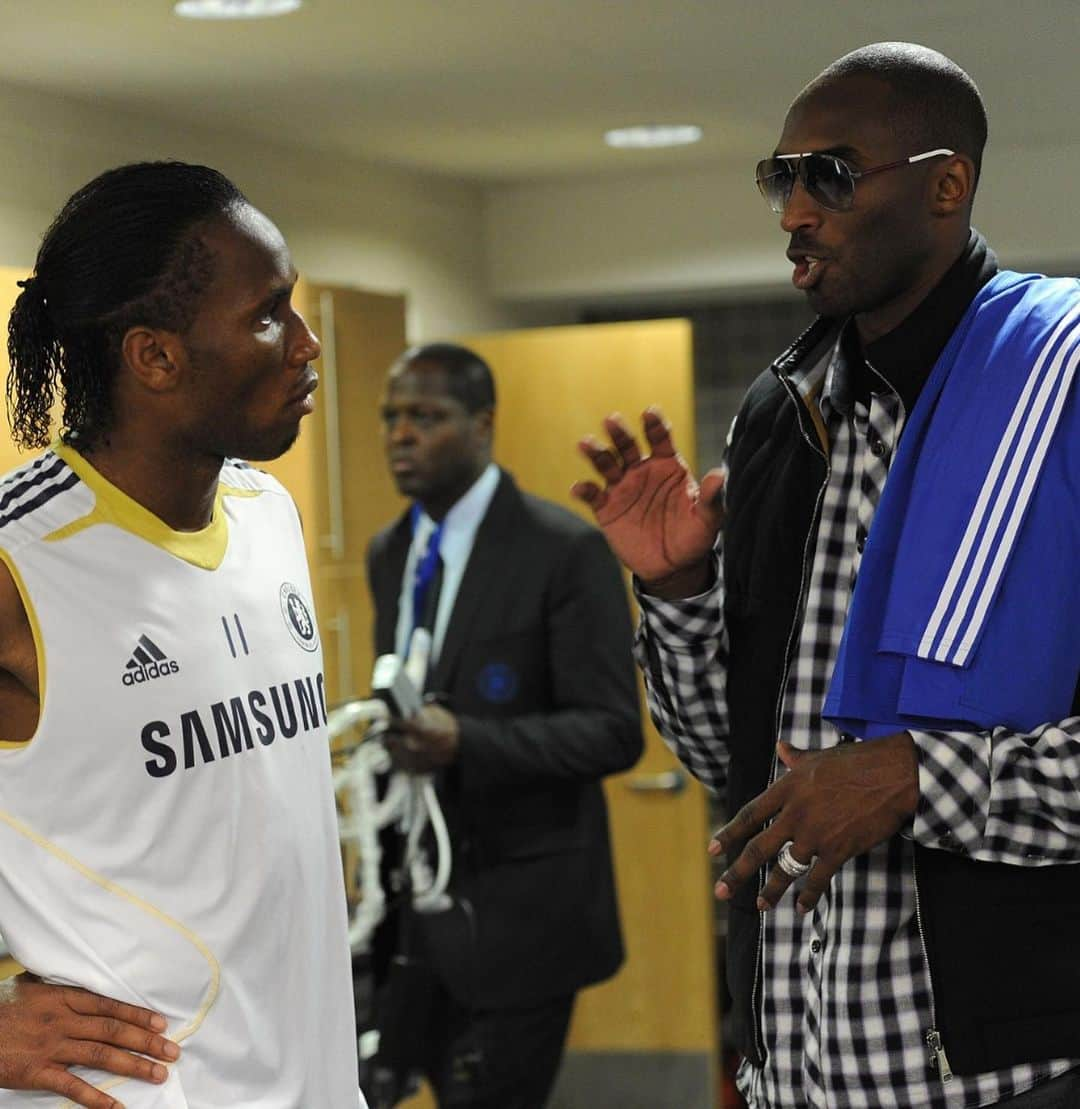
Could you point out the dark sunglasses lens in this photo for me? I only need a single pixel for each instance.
(775, 176)
(828, 181)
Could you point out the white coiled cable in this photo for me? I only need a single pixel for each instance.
(410, 802)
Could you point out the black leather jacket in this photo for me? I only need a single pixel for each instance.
(1001, 941)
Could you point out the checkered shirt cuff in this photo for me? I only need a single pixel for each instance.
(954, 790)
(684, 626)
(681, 648)
(1001, 796)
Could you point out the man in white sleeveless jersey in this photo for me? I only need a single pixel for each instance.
(169, 867)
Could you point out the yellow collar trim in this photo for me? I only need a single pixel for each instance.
(204, 548)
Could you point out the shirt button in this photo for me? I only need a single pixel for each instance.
(815, 946)
(860, 538)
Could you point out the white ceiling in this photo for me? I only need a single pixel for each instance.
(496, 90)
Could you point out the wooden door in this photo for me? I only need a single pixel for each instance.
(649, 1036)
(337, 473)
(10, 455)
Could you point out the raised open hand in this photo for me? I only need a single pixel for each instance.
(658, 520)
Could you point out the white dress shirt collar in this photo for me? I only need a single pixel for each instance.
(459, 532)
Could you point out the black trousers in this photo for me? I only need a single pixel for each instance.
(495, 1059)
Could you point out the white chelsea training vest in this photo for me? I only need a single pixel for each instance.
(168, 837)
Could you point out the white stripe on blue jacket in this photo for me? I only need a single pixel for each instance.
(967, 605)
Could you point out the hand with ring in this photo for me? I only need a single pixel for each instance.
(790, 865)
(830, 806)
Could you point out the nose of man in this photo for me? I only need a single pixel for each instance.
(306, 346)
(400, 430)
(801, 210)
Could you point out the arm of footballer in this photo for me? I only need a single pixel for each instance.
(19, 701)
(44, 1028)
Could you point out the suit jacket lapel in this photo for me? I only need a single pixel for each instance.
(489, 553)
(388, 586)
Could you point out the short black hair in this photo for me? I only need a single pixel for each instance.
(468, 377)
(935, 103)
(124, 250)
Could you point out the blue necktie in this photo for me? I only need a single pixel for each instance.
(427, 579)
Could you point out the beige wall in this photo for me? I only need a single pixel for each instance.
(472, 258)
(707, 229)
(346, 222)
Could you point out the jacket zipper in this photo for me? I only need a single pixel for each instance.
(755, 1000)
(938, 1059)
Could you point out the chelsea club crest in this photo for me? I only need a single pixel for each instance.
(298, 618)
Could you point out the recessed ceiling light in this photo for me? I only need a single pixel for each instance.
(653, 135)
(234, 9)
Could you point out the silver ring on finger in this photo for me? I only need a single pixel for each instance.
(790, 865)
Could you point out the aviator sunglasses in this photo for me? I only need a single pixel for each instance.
(828, 179)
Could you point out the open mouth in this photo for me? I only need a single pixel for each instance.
(807, 272)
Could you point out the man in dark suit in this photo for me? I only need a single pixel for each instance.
(536, 702)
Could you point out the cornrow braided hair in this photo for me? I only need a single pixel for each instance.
(124, 250)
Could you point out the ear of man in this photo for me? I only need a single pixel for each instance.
(154, 357)
(484, 421)
(953, 185)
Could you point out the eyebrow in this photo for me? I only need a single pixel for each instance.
(276, 295)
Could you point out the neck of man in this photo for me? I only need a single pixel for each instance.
(179, 488)
(438, 503)
(874, 324)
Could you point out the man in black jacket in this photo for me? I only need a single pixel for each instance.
(536, 702)
(926, 957)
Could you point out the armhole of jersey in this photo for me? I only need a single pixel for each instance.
(39, 649)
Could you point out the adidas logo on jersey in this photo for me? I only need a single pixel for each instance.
(147, 662)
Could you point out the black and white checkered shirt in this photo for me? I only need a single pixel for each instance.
(846, 1001)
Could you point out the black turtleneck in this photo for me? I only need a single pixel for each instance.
(906, 355)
